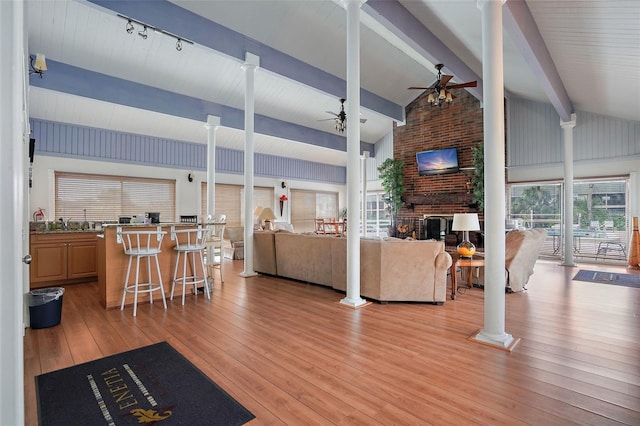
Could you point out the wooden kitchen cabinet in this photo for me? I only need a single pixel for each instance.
(62, 258)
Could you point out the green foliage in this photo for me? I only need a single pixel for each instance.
(477, 180)
(392, 176)
(538, 199)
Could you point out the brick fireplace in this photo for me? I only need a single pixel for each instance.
(458, 125)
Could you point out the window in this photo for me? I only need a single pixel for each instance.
(599, 214)
(230, 201)
(306, 206)
(99, 197)
(378, 216)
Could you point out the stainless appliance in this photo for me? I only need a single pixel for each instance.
(155, 217)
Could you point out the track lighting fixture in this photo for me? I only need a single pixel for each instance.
(130, 28)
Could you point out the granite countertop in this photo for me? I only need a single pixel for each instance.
(79, 227)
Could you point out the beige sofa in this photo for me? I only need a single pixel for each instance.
(390, 270)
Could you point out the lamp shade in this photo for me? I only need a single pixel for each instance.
(257, 211)
(40, 63)
(465, 222)
(266, 214)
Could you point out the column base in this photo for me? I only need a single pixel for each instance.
(571, 265)
(248, 274)
(504, 343)
(354, 303)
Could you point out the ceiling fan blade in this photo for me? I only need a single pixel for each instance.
(419, 88)
(327, 119)
(445, 79)
(332, 113)
(461, 85)
(363, 120)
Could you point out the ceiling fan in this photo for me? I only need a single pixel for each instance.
(439, 92)
(341, 118)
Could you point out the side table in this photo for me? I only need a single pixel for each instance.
(464, 263)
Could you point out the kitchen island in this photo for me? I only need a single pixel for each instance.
(112, 263)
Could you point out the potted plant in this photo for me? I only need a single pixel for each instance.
(477, 180)
(391, 172)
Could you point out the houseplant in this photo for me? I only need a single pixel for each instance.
(391, 173)
(477, 180)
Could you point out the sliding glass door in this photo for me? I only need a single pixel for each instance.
(600, 219)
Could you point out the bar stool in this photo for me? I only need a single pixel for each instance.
(215, 225)
(142, 245)
(190, 243)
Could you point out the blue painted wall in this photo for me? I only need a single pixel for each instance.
(80, 142)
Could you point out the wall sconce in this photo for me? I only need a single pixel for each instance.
(38, 64)
(283, 184)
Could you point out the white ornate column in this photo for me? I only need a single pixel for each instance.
(353, 298)
(567, 140)
(212, 125)
(251, 63)
(493, 331)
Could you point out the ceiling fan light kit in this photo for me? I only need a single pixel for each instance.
(341, 118)
(439, 92)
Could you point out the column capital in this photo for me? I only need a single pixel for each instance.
(343, 3)
(481, 3)
(213, 122)
(569, 124)
(251, 61)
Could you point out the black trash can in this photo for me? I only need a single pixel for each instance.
(45, 307)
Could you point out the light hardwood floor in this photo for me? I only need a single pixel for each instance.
(292, 355)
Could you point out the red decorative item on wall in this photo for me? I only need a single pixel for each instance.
(283, 198)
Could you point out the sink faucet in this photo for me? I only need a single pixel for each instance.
(65, 224)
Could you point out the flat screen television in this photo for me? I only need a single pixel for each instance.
(437, 162)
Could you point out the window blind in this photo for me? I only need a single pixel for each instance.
(307, 205)
(230, 201)
(103, 198)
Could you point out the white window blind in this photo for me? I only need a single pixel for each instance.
(99, 197)
(306, 206)
(230, 201)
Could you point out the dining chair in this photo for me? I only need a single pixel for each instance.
(320, 226)
(215, 224)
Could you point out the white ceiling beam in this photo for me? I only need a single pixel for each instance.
(394, 17)
(523, 31)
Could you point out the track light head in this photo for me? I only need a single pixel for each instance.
(143, 33)
(130, 27)
(179, 45)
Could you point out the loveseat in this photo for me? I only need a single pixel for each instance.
(522, 248)
(390, 269)
(233, 242)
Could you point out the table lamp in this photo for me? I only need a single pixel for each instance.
(466, 222)
(266, 216)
